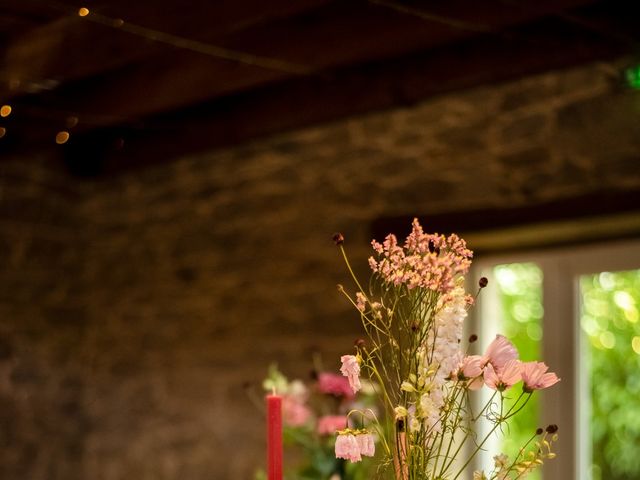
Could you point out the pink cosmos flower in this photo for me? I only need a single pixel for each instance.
(471, 366)
(499, 352)
(366, 444)
(347, 447)
(535, 377)
(294, 412)
(351, 369)
(334, 384)
(503, 379)
(329, 424)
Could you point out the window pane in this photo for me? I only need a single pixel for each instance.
(519, 288)
(609, 320)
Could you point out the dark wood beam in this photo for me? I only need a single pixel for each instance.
(566, 221)
(549, 44)
(69, 48)
(146, 78)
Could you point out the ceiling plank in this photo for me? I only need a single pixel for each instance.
(324, 38)
(69, 48)
(549, 44)
(514, 227)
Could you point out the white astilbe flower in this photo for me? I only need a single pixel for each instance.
(430, 405)
(444, 338)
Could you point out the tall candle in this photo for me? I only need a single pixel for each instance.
(274, 437)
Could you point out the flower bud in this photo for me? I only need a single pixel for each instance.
(539, 431)
(483, 282)
(338, 238)
(553, 428)
(473, 338)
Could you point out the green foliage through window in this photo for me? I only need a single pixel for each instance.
(609, 320)
(519, 288)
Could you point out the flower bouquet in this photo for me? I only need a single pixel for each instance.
(413, 311)
(311, 413)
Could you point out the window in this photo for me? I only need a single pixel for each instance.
(576, 309)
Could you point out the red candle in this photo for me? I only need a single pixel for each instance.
(274, 437)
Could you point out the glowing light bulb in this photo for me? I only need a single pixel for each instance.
(72, 121)
(62, 137)
(5, 110)
(3, 132)
(83, 12)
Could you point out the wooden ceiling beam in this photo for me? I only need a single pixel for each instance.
(547, 45)
(69, 48)
(595, 216)
(319, 35)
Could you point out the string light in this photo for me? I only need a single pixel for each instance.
(5, 110)
(62, 137)
(71, 121)
(215, 51)
(3, 132)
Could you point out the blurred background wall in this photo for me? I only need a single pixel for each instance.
(136, 307)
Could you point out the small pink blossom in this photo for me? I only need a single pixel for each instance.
(347, 447)
(334, 384)
(353, 447)
(361, 301)
(470, 369)
(366, 444)
(504, 379)
(351, 369)
(330, 424)
(499, 352)
(294, 412)
(470, 366)
(535, 377)
(429, 261)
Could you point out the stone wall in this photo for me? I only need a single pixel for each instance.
(130, 329)
(43, 320)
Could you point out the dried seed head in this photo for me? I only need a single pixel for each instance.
(553, 428)
(483, 282)
(473, 338)
(338, 238)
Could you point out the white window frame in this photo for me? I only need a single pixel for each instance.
(566, 404)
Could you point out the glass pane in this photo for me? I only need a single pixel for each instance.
(609, 320)
(519, 288)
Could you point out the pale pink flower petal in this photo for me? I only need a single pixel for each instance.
(471, 366)
(491, 378)
(330, 424)
(499, 352)
(347, 448)
(510, 374)
(351, 369)
(476, 383)
(535, 377)
(366, 444)
(504, 379)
